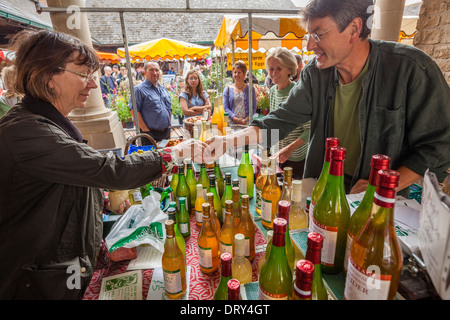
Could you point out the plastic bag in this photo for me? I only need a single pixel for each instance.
(140, 224)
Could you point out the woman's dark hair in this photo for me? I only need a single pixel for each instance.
(40, 54)
(341, 11)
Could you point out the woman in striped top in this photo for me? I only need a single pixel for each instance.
(282, 66)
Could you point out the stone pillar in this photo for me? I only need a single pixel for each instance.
(433, 33)
(387, 20)
(99, 125)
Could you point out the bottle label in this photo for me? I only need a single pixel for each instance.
(329, 242)
(184, 227)
(362, 284)
(242, 184)
(198, 216)
(137, 196)
(350, 238)
(264, 295)
(205, 257)
(226, 247)
(266, 210)
(172, 281)
(258, 198)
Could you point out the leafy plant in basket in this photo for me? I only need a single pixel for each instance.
(120, 105)
(262, 99)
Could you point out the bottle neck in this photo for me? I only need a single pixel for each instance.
(279, 239)
(336, 168)
(313, 256)
(302, 289)
(226, 270)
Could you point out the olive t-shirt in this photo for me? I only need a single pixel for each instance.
(346, 120)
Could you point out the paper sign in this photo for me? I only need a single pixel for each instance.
(258, 59)
(124, 286)
(148, 257)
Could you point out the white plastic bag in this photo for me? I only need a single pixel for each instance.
(140, 224)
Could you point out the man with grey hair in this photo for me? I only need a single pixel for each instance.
(107, 85)
(377, 97)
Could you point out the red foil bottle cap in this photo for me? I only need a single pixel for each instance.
(226, 260)
(315, 241)
(338, 153)
(380, 162)
(233, 284)
(234, 288)
(279, 232)
(283, 209)
(332, 142)
(305, 271)
(388, 179)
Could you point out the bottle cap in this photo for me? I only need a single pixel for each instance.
(226, 259)
(315, 241)
(279, 225)
(304, 271)
(233, 284)
(296, 190)
(380, 162)
(331, 142)
(388, 178)
(283, 208)
(338, 153)
(182, 200)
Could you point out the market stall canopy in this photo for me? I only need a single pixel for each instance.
(165, 49)
(267, 32)
(107, 56)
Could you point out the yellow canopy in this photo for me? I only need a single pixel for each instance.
(107, 56)
(166, 49)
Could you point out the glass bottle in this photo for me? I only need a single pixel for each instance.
(227, 193)
(313, 252)
(375, 260)
(298, 218)
(235, 182)
(135, 196)
(286, 190)
(234, 289)
(304, 274)
(208, 244)
(261, 180)
(227, 232)
(241, 268)
(236, 205)
(173, 265)
(198, 205)
(266, 254)
(247, 228)
(213, 215)
(203, 179)
(183, 218)
(217, 117)
(283, 212)
(203, 134)
(225, 123)
(173, 186)
(270, 196)
(332, 215)
(165, 193)
(192, 183)
(217, 204)
(246, 174)
(275, 280)
(172, 215)
(320, 184)
(183, 189)
(219, 179)
(361, 214)
(225, 275)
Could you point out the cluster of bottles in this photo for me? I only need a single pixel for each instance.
(215, 125)
(364, 245)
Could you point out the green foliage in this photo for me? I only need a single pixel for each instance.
(120, 105)
(176, 108)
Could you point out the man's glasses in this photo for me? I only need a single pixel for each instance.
(316, 37)
(86, 77)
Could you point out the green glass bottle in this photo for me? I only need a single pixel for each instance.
(246, 174)
(165, 193)
(332, 215)
(284, 207)
(221, 291)
(275, 279)
(183, 189)
(173, 186)
(320, 184)
(361, 214)
(227, 193)
(217, 203)
(203, 179)
(183, 218)
(192, 184)
(219, 179)
(172, 215)
(313, 252)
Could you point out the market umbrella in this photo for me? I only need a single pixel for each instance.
(166, 49)
(108, 56)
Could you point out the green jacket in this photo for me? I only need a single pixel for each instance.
(404, 111)
(51, 191)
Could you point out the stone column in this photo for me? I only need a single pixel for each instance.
(99, 125)
(387, 19)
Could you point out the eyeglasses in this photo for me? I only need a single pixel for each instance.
(316, 37)
(86, 77)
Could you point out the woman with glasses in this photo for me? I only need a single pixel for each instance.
(194, 99)
(52, 182)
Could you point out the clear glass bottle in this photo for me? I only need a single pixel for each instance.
(234, 289)
(298, 218)
(247, 228)
(361, 214)
(261, 180)
(172, 215)
(227, 193)
(221, 292)
(227, 232)
(304, 274)
(246, 174)
(135, 196)
(286, 190)
(208, 244)
(375, 260)
(183, 218)
(332, 215)
(275, 280)
(320, 184)
(241, 268)
(198, 205)
(173, 265)
(270, 196)
(313, 253)
(284, 207)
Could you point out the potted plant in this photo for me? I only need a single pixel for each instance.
(262, 99)
(176, 108)
(120, 105)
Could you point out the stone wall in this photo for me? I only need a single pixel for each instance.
(433, 32)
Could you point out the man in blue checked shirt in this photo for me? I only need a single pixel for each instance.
(153, 105)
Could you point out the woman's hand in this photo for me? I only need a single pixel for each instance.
(283, 154)
(192, 149)
(123, 207)
(238, 120)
